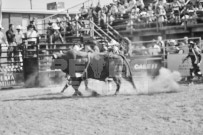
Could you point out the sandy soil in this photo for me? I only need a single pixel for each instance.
(43, 111)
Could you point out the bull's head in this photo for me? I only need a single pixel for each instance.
(97, 65)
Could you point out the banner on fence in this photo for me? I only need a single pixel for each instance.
(146, 65)
(11, 76)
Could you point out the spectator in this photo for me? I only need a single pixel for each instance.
(192, 15)
(121, 10)
(33, 22)
(161, 43)
(32, 35)
(102, 18)
(150, 12)
(135, 16)
(183, 45)
(57, 37)
(172, 47)
(98, 8)
(69, 29)
(161, 15)
(156, 49)
(126, 4)
(132, 4)
(84, 12)
(176, 10)
(49, 31)
(3, 40)
(182, 3)
(140, 4)
(12, 48)
(144, 16)
(19, 37)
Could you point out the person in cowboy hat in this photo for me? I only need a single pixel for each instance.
(11, 41)
(3, 39)
(195, 56)
(19, 38)
(56, 37)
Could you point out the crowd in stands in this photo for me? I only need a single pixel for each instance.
(165, 47)
(135, 12)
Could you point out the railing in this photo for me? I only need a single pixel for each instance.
(139, 26)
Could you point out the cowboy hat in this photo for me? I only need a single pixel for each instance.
(19, 27)
(1, 27)
(55, 26)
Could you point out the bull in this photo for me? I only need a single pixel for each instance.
(99, 66)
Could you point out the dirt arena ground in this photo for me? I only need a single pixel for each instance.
(43, 111)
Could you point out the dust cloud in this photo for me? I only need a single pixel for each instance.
(165, 82)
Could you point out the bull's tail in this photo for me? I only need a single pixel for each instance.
(127, 66)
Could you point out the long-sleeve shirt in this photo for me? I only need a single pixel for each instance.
(2, 38)
(10, 36)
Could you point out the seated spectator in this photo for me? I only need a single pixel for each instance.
(69, 29)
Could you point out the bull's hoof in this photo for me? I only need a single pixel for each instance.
(95, 94)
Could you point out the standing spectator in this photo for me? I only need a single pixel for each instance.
(135, 16)
(176, 10)
(33, 22)
(102, 18)
(183, 45)
(161, 43)
(84, 12)
(3, 40)
(32, 40)
(150, 13)
(121, 10)
(12, 48)
(132, 4)
(56, 37)
(182, 3)
(114, 10)
(161, 15)
(192, 15)
(126, 4)
(140, 4)
(19, 37)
